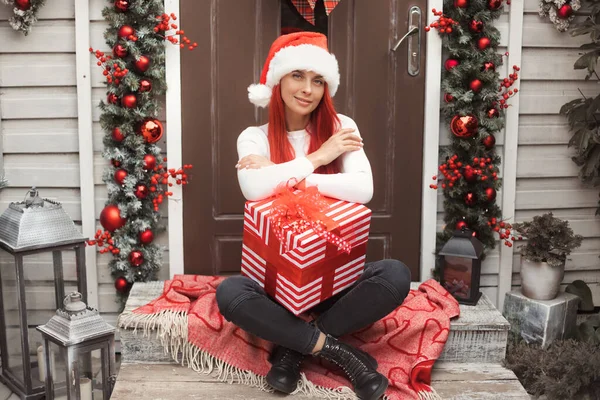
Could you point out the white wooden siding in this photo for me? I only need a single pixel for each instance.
(40, 134)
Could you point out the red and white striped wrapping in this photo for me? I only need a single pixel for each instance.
(311, 270)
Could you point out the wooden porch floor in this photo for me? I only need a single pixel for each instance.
(455, 381)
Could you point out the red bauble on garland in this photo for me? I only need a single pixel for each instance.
(469, 174)
(142, 64)
(490, 194)
(483, 43)
(470, 199)
(145, 85)
(120, 176)
(149, 162)
(117, 135)
(488, 66)
(460, 225)
(493, 113)
(115, 163)
(461, 3)
(494, 4)
(121, 284)
(122, 5)
(464, 126)
(565, 11)
(136, 258)
(120, 51)
(448, 98)
(152, 130)
(476, 85)
(129, 101)
(489, 141)
(112, 98)
(125, 31)
(23, 5)
(146, 237)
(451, 63)
(141, 191)
(110, 218)
(476, 26)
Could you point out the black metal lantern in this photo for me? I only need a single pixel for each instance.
(74, 339)
(461, 267)
(27, 230)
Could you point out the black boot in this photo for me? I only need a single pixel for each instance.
(368, 383)
(285, 370)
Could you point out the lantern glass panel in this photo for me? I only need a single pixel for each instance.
(58, 365)
(12, 346)
(458, 272)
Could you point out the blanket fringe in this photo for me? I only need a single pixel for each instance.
(429, 395)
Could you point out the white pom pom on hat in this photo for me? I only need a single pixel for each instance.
(295, 51)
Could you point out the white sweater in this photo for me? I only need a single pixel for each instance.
(354, 183)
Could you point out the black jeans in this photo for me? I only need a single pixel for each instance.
(382, 287)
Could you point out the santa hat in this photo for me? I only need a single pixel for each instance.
(295, 51)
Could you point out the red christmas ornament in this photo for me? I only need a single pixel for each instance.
(451, 63)
(464, 126)
(146, 237)
(460, 225)
(494, 4)
(125, 31)
(110, 218)
(489, 141)
(149, 162)
(112, 98)
(136, 258)
(475, 85)
(483, 43)
(448, 98)
(23, 5)
(142, 64)
(565, 11)
(141, 191)
(461, 3)
(117, 135)
(152, 130)
(122, 5)
(476, 26)
(493, 113)
(121, 284)
(120, 51)
(469, 175)
(145, 85)
(129, 101)
(116, 163)
(120, 176)
(470, 199)
(488, 66)
(490, 194)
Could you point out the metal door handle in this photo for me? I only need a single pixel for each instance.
(413, 39)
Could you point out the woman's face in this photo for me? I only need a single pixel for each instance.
(302, 91)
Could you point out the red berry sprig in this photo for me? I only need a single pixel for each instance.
(102, 239)
(504, 230)
(443, 24)
(505, 86)
(481, 168)
(161, 176)
(165, 25)
(113, 73)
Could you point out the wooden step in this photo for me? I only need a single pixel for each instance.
(168, 381)
(479, 335)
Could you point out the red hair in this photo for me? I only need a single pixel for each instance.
(323, 123)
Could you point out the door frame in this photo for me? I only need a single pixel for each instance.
(431, 134)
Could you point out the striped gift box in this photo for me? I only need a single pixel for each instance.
(311, 270)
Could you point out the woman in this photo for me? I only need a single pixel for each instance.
(307, 141)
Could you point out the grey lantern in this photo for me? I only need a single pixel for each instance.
(28, 228)
(461, 266)
(79, 353)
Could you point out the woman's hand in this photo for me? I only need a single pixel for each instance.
(340, 142)
(253, 161)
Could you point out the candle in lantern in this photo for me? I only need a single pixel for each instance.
(42, 364)
(85, 388)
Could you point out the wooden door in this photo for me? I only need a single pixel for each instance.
(376, 90)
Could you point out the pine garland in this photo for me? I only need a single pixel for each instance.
(137, 178)
(474, 102)
(24, 14)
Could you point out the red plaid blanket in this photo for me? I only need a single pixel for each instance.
(307, 8)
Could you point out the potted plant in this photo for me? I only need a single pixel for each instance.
(549, 241)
